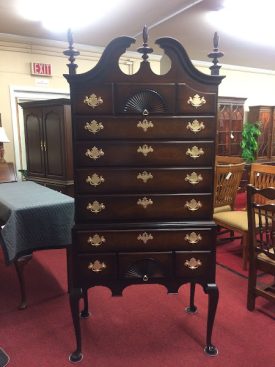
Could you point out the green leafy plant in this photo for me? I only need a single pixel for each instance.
(249, 143)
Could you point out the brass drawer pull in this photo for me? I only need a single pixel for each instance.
(195, 126)
(145, 237)
(95, 180)
(193, 238)
(96, 207)
(96, 240)
(93, 126)
(97, 266)
(145, 176)
(94, 153)
(144, 202)
(93, 101)
(194, 178)
(145, 125)
(193, 205)
(145, 149)
(193, 264)
(194, 152)
(196, 101)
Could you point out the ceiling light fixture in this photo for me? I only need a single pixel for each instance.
(59, 15)
(250, 20)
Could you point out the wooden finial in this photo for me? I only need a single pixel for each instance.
(145, 49)
(215, 54)
(71, 53)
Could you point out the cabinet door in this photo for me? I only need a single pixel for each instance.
(34, 142)
(53, 121)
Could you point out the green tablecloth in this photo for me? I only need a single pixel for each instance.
(35, 217)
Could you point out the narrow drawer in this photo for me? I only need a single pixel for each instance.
(95, 100)
(194, 101)
(144, 207)
(96, 267)
(195, 264)
(145, 266)
(149, 180)
(149, 127)
(144, 154)
(146, 239)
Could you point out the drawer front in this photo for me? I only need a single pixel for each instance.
(189, 239)
(96, 267)
(151, 207)
(139, 98)
(152, 180)
(145, 266)
(96, 100)
(192, 101)
(90, 128)
(140, 153)
(195, 264)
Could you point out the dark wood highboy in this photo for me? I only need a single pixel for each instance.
(144, 152)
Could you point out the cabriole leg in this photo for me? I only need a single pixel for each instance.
(192, 308)
(75, 295)
(213, 297)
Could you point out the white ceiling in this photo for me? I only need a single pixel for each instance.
(180, 19)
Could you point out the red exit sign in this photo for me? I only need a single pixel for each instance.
(38, 68)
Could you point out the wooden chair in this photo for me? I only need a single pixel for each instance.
(227, 182)
(261, 245)
(236, 220)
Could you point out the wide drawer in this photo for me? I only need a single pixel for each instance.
(195, 264)
(142, 208)
(150, 127)
(145, 266)
(149, 180)
(189, 239)
(96, 267)
(145, 153)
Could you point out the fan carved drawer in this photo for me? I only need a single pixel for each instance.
(145, 266)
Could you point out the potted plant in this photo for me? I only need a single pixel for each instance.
(249, 144)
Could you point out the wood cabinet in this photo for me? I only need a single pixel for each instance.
(266, 116)
(144, 154)
(230, 124)
(48, 136)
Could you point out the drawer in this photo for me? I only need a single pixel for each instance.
(149, 180)
(97, 99)
(96, 267)
(149, 127)
(142, 208)
(195, 264)
(139, 98)
(192, 101)
(145, 266)
(145, 239)
(144, 154)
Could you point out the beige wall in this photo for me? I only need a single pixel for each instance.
(15, 57)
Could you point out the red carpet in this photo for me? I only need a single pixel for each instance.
(144, 328)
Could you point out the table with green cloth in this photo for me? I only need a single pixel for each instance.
(35, 218)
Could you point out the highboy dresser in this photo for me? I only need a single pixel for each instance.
(144, 152)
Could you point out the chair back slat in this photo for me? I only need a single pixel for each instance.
(227, 182)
